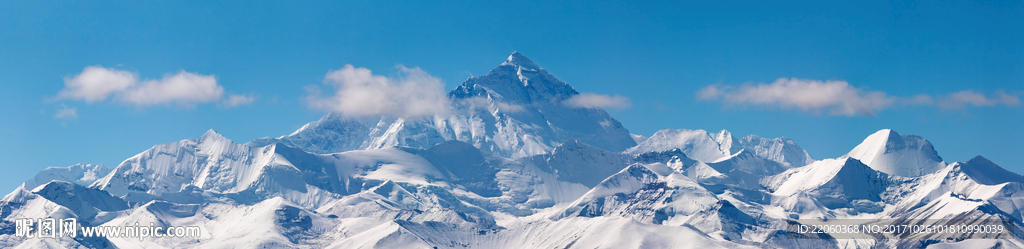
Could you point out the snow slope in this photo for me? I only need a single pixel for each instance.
(454, 195)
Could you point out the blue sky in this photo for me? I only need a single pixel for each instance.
(967, 58)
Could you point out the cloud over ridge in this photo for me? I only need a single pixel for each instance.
(358, 92)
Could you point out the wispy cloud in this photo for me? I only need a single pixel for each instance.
(838, 97)
(66, 112)
(234, 100)
(834, 97)
(97, 84)
(962, 99)
(358, 92)
(593, 100)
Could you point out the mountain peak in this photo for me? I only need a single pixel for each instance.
(896, 154)
(988, 173)
(516, 81)
(891, 136)
(520, 60)
(873, 144)
(727, 143)
(212, 135)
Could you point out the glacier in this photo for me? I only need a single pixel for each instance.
(512, 166)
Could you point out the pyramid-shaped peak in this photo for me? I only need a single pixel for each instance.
(979, 160)
(886, 141)
(883, 136)
(888, 133)
(211, 135)
(897, 154)
(894, 137)
(520, 60)
(877, 141)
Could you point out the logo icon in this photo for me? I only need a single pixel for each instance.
(46, 228)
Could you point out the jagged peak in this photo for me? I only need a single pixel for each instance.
(520, 60)
(516, 81)
(722, 137)
(723, 134)
(726, 142)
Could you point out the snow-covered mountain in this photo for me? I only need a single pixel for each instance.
(897, 154)
(511, 166)
(709, 147)
(515, 110)
(81, 174)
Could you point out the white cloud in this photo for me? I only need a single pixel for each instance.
(183, 88)
(66, 112)
(840, 98)
(835, 97)
(234, 100)
(97, 83)
(358, 92)
(593, 100)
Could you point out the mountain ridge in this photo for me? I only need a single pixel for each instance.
(513, 167)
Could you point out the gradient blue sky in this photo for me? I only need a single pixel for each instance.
(659, 55)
